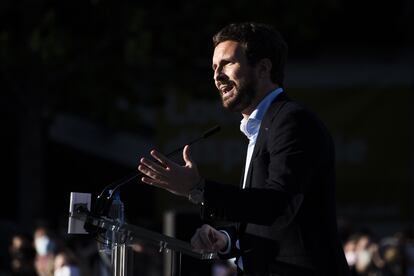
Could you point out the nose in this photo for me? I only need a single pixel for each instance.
(219, 75)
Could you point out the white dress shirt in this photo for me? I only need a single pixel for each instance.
(250, 127)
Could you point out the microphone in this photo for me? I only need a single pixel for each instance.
(103, 202)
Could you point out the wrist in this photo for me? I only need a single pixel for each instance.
(226, 249)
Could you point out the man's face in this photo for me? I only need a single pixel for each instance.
(234, 77)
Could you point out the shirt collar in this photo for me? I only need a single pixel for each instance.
(250, 126)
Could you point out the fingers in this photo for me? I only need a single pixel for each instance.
(220, 241)
(158, 172)
(186, 156)
(164, 173)
(153, 182)
(150, 172)
(212, 237)
(204, 238)
(153, 166)
(162, 159)
(199, 242)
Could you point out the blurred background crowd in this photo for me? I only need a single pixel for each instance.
(368, 253)
(48, 252)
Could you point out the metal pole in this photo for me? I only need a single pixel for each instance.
(172, 268)
(121, 260)
(179, 263)
(175, 268)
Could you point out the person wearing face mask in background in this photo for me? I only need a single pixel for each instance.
(45, 245)
(65, 264)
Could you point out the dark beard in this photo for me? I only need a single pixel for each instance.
(244, 97)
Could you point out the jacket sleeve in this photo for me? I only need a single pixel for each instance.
(231, 231)
(280, 173)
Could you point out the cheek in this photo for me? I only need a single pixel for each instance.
(236, 76)
(242, 71)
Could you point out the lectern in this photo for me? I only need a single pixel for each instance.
(82, 221)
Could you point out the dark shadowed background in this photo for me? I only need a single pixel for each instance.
(87, 87)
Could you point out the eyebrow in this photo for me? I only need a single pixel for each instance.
(224, 60)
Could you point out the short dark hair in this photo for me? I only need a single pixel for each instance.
(259, 41)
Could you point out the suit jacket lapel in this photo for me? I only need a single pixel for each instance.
(272, 111)
(274, 108)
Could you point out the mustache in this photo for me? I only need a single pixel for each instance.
(224, 82)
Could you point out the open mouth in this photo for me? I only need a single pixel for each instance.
(224, 89)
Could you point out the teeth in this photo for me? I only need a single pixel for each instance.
(225, 88)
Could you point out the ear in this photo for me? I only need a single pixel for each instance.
(264, 67)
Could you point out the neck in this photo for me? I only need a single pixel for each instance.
(261, 94)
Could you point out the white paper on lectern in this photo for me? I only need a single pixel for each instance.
(75, 226)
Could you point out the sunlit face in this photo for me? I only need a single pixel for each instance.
(234, 77)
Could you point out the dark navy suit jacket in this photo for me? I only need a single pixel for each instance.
(286, 214)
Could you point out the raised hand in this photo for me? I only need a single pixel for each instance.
(169, 175)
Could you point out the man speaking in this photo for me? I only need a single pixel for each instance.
(284, 210)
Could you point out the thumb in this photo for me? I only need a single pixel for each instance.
(186, 156)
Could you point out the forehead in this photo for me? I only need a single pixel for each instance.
(40, 232)
(228, 50)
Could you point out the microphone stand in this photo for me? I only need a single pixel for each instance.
(105, 198)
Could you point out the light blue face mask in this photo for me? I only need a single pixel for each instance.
(43, 245)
